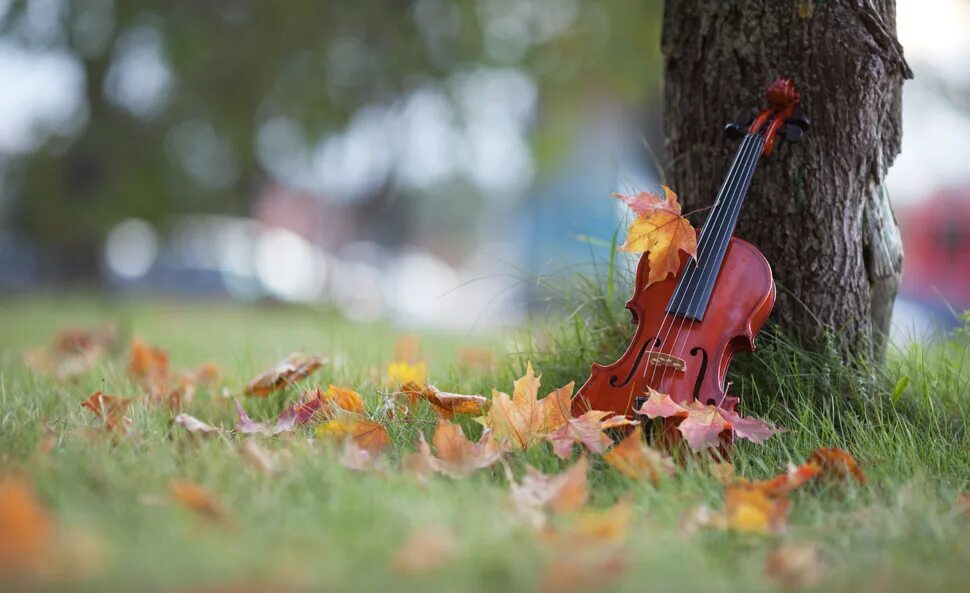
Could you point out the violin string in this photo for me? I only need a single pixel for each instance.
(727, 187)
(721, 240)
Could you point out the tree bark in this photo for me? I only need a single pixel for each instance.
(818, 209)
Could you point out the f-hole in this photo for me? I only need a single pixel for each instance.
(700, 374)
(636, 363)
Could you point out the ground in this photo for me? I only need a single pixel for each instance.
(316, 525)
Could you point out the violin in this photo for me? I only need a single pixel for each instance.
(690, 325)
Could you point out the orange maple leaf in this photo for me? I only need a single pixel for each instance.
(836, 465)
(367, 434)
(565, 492)
(702, 424)
(110, 409)
(26, 528)
(198, 500)
(636, 460)
(587, 430)
(523, 419)
(457, 456)
(660, 231)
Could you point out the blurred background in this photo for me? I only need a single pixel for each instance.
(418, 161)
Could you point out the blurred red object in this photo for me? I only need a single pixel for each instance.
(936, 244)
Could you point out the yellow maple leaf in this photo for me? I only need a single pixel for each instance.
(402, 373)
(523, 419)
(661, 232)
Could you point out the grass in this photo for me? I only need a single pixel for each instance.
(319, 526)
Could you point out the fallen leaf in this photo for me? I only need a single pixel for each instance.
(366, 434)
(194, 425)
(586, 430)
(784, 483)
(565, 492)
(401, 373)
(636, 460)
(319, 404)
(425, 551)
(523, 419)
(446, 405)
(26, 528)
(147, 364)
(795, 566)
(702, 424)
(198, 500)
(286, 421)
(751, 509)
(456, 456)
(836, 465)
(110, 409)
(661, 232)
(359, 459)
(74, 352)
(286, 372)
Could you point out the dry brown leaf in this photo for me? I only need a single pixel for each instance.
(147, 364)
(565, 492)
(836, 465)
(367, 434)
(110, 409)
(194, 425)
(636, 460)
(198, 500)
(360, 459)
(456, 456)
(425, 551)
(585, 430)
(752, 509)
(291, 369)
(26, 529)
(795, 566)
(446, 405)
(523, 419)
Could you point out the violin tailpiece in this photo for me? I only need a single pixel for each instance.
(662, 359)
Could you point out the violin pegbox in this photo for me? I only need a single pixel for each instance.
(781, 119)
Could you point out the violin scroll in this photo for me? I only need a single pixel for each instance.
(781, 118)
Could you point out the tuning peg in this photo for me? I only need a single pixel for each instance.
(745, 118)
(801, 121)
(734, 131)
(791, 132)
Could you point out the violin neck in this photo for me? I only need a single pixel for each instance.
(696, 283)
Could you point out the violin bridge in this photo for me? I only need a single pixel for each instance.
(667, 360)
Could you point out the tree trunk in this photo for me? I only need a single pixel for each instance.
(818, 209)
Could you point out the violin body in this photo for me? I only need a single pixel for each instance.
(742, 299)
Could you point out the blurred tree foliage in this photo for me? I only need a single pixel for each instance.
(235, 64)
